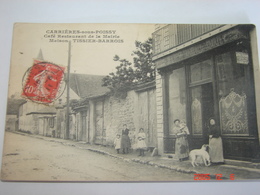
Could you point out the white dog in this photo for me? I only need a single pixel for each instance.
(202, 153)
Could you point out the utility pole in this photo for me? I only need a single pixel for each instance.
(67, 133)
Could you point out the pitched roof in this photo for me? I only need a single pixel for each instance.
(13, 106)
(45, 110)
(40, 56)
(86, 85)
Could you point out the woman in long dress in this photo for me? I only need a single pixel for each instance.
(215, 143)
(125, 140)
(181, 144)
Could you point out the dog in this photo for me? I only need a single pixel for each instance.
(200, 153)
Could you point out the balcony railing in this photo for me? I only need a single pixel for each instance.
(173, 35)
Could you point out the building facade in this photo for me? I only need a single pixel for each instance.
(203, 72)
(107, 115)
(37, 118)
(12, 114)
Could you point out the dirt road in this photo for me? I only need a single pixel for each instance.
(29, 159)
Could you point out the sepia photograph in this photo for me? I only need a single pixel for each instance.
(118, 102)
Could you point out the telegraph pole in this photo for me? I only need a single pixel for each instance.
(67, 133)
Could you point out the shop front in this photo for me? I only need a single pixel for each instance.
(212, 78)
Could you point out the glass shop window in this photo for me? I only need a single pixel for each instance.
(201, 91)
(232, 95)
(201, 71)
(177, 98)
(196, 110)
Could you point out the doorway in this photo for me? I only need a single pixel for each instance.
(83, 127)
(41, 126)
(202, 109)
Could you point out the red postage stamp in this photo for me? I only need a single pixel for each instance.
(42, 82)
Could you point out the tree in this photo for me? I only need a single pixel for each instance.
(129, 74)
(145, 69)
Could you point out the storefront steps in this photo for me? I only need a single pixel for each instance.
(232, 168)
(241, 163)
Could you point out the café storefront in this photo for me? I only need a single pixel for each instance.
(210, 76)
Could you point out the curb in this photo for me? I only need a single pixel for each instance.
(135, 160)
(145, 162)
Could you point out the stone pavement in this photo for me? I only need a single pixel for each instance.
(238, 170)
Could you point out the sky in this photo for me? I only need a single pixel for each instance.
(92, 57)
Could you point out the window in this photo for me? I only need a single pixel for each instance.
(201, 92)
(166, 38)
(157, 42)
(232, 95)
(177, 98)
(196, 110)
(201, 71)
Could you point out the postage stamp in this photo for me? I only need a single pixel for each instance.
(42, 82)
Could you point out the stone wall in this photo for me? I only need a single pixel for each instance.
(28, 124)
(11, 123)
(137, 110)
(118, 112)
(27, 121)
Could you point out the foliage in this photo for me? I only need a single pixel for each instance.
(145, 69)
(129, 74)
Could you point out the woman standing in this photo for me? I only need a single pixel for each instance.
(215, 143)
(181, 144)
(125, 141)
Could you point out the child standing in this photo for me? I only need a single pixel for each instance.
(117, 143)
(141, 145)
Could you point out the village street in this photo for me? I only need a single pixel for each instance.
(27, 158)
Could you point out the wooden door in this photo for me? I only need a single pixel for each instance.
(99, 122)
(147, 116)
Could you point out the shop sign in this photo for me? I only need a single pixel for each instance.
(242, 58)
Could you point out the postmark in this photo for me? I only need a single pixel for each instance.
(41, 82)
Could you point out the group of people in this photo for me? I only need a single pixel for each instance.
(215, 141)
(123, 142)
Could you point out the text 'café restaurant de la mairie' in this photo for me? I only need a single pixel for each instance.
(207, 71)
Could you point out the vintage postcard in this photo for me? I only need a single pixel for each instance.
(133, 102)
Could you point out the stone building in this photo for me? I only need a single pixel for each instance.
(206, 71)
(99, 116)
(95, 115)
(12, 113)
(42, 119)
(35, 118)
(85, 86)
